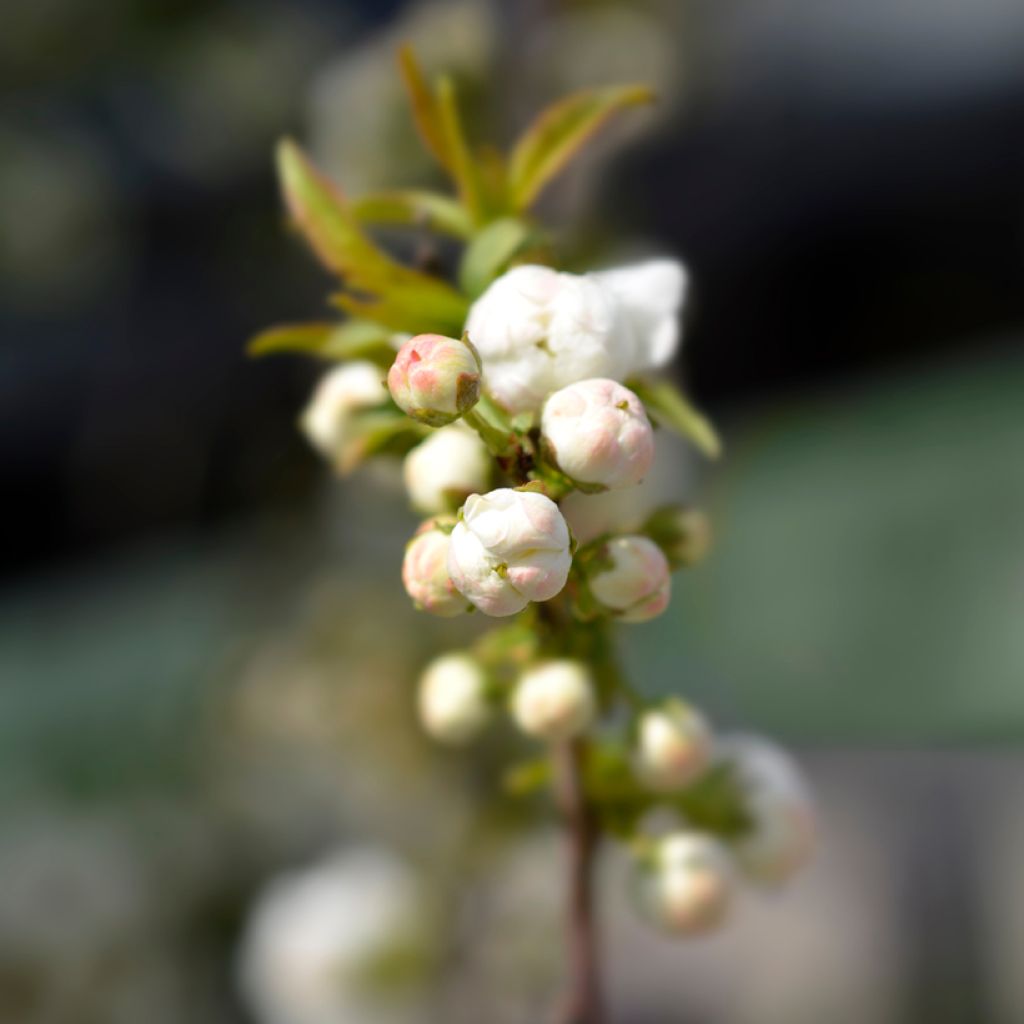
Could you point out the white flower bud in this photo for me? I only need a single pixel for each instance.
(779, 804)
(632, 578)
(435, 379)
(687, 887)
(326, 420)
(452, 698)
(673, 746)
(538, 330)
(425, 572)
(599, 433)
(442, 471)
(508, 549)
(554, 700)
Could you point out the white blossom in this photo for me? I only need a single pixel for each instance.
(673, 746)
(452, 698)
(554, 700)
(435, 379)
(538, 330)
(632, 578)
(442, 471)
(508, 549)
(326, 421)
(425, 572)
(599, 433)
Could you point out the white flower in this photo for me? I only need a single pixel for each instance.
(687, 887)
(599, 433)
(442, 471)
(435, 379)
(314, 934)
(632, 578)
(777, 799)
(509, 548)
(554, 700)
(425, 572)
(452, 698)
(327, 419)
(673, 746)
(538, 330)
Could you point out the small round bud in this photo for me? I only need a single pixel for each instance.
(780, 808)
(508, 549)
(598, 433)
(632, 578)
(452, 698)
(673, 746)
(435, 379)
(327, 419)
(442, 471)
(425, 571)
(687, 886)
(555, 700)
(683, 533)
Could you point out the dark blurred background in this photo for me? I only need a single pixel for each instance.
(846, 184)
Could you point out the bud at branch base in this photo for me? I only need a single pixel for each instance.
(442, 471)
(327, 419)
(425, 570)
(453, 698)
(673, 746)
(509, 548)
(435, 379)
(598, 433)
(554, 700)
(687, 886)
(631, 578)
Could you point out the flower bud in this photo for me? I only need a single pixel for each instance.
(442, 471)
(684, 534)
(425, 571)
(781, 812)
(631, 579)
(598, 433)
(452, 698)
(554, 700)
(687, 886)
(435, 379)
(327, 419)
(508, 549)
(673, 746)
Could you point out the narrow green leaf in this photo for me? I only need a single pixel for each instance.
(462, 165)
(415, 208)
(527, 777)
(668, 406)
(410, 309)
(490, 253)
(353, 339)
(426, 110)
(559, 132)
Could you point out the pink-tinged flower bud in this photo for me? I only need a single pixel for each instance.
(598, 433)
(425, 571)
(435, 379)
(344, 391)
(442, 471)
(631, 578)
(555, 700)
(673, 746)
(509, 548)
(778, 803)
(687, 885)
(453, 698)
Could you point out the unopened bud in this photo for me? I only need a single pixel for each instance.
(442, 471)
(425, 571)
(673, 746)
(631, 578)
(435, 379)
(344, 391)
(598, 433)
(687, 885)
(683, 533)
(554, 700)
(453, 698)
(509, 548)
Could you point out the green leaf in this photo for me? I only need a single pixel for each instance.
(426, 110)
(462, 165)
(412, 310)
(527, 777)
(415, 208)
(559, 133)
(668, 406)
(383, 431)
(490, 253)
(353, 339)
